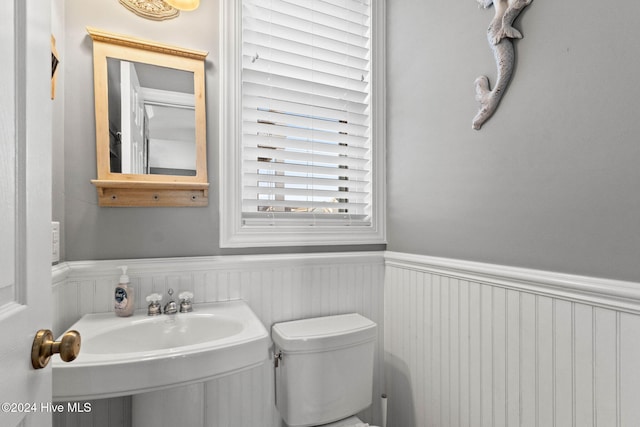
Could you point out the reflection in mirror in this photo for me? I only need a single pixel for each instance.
(151, 119)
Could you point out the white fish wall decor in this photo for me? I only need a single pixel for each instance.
(499, 33)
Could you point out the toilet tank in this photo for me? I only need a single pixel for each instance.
(325, 369)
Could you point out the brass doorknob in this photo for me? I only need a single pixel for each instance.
(44, 347)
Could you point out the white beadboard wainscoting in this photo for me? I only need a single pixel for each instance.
(277, 288)
(472, 344)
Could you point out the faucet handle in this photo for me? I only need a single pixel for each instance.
(154, 304)
(185, 301)
(154, 297)
(185, 295)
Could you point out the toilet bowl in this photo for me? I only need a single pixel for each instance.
(324, 370)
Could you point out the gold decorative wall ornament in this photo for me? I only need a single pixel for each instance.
(184, 4)
(156, 10)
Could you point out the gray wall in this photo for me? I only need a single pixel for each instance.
(551, 181)
(91, 232)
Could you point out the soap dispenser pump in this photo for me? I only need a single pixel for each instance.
(124, 295)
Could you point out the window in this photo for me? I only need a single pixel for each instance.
(302, 126)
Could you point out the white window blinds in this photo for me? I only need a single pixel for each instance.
(306, 139)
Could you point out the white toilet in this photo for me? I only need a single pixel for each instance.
(324, 370)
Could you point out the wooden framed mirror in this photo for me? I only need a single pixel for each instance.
(150, 122)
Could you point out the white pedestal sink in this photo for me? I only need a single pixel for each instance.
(126, 356)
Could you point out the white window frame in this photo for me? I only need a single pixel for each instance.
(232, 232)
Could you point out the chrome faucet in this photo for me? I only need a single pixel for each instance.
(170, 307)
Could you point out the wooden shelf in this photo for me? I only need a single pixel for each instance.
(149, 194)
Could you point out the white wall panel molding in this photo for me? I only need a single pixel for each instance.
(60, 273)
(144, 266)
(600, 292)
(470, 344)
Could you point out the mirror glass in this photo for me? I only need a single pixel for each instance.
(152, 122)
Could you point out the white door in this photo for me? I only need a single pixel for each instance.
(133, 120)
(25, 208)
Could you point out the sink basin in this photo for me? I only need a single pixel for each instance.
(158, 333)
(123, 356)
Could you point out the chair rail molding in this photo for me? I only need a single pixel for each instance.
(600, 292)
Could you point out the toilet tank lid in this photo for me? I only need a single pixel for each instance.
(322, 333)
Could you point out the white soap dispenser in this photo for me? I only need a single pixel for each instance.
(124, 295)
